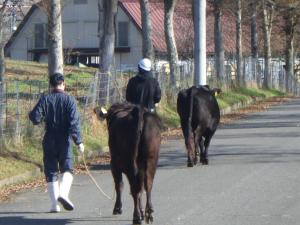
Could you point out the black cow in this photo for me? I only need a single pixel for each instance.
(134, 143)
(199, 115)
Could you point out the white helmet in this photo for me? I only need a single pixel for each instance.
(145, 64)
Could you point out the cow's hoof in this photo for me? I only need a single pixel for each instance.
(204, 162)
(137, 221)
(196, 160)
(142, 215)
(149, 218)
(190, 164)
(117, 211)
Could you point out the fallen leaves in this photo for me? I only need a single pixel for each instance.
(8, 191)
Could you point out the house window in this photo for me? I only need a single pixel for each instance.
(40, 35)
(123, 34)
(79, 2)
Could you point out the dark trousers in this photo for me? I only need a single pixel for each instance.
(58, 155)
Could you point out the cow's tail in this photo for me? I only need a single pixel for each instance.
(190, 115)
(190, 141)
(138, 113)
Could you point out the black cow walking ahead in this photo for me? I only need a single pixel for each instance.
(134, 143)
(199, 115)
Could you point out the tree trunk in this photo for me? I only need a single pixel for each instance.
(106, 30)
(239, 50)
(107, 10)
(170, 40)
(254, 42)
(148, 51)
(2, 78)
(56, 60)
(267, 28)
(219, 45)
(289, 51)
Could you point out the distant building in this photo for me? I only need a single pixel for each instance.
(13, 17)
(80, 40)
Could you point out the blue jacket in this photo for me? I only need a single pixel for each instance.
(59, 112)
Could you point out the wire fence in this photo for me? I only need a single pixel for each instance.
(18, 97)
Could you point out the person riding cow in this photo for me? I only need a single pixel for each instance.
(143, 89)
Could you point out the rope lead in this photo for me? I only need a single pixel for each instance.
(94, 180)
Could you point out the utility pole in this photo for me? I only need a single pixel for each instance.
(200, 42)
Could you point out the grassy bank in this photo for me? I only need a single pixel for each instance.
(26, 153)
(169, 115)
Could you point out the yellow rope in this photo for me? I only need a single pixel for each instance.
(94, 180)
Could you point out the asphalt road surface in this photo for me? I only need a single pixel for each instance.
(253, 178)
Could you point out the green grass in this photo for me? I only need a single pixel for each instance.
(168, 114)
(25, 154)
(11, 167)
(232, 97)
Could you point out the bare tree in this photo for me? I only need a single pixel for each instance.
(170, 40)
(239, 49)
(148, 50)
(3, 17)
(268, 12)
(106, 32)
(254, 39)
(56, 59)
(290, 9)
(289, 49)
(219, 42)
(53, 10)
(2, 69)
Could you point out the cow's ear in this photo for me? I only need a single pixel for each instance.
(101, 112)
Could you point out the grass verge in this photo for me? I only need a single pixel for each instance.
(15, 159)
(27, 153)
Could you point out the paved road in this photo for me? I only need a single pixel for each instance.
(253, 179)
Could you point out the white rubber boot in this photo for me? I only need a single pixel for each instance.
(53, 190)
(65, 186)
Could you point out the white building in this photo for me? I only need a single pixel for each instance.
(81, 43)
(80, 40)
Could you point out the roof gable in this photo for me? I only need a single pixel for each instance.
(21, 25)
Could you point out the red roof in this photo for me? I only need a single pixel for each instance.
(183, 26)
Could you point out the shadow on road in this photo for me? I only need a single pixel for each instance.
(100, 167)
(18, 220)
(21, 220)
(259, 125)
(172, 159)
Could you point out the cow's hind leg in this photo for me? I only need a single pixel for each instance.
(202, 152)
(150, 173)
(141, 206)
(117, 175)
(197, 142)
(190, 145)
(206, 145)
(136, 187)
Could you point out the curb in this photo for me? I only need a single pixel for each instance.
(37, 171)
(21, 177)
(238, 105)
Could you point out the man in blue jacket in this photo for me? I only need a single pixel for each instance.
(62, 123)
(143, 89)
